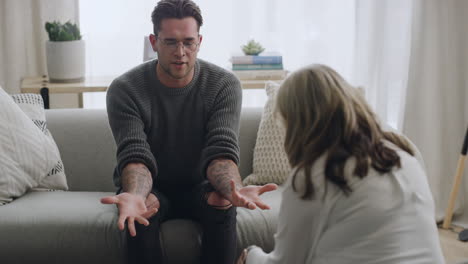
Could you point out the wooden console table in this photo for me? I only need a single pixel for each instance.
(42, 86)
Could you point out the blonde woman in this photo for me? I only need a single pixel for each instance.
(357, 194)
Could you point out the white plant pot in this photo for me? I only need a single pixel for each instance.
(66, 60)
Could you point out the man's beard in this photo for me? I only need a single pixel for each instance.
(167, 70)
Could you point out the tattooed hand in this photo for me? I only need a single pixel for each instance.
(136, 187)
(131, 208)
(249, 196)
(223, 174)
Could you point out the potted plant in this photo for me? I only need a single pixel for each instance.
(65, 52)
(252, 48)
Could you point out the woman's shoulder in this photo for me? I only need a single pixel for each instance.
(297, 179)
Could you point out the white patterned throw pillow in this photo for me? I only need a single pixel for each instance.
(270, 163)
(27, 155)
(33, 106)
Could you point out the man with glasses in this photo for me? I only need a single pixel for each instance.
(175, 121)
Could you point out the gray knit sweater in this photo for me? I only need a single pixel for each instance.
(175, 132)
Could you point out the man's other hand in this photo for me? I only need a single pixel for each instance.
(249, 196)
(132, 208)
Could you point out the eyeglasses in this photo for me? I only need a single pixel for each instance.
(172, 44)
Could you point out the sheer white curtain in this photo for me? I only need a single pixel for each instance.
(382, 55)
(304, 32)
(436, 114)
(411, 58)
(22, 37)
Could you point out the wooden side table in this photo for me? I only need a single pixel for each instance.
(42, 86)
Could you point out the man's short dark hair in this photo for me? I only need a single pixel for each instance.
(175, 9)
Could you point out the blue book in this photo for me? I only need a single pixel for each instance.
(246, 67)
(257, 59)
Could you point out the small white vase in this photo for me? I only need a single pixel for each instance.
(66, 60)
(148, 52)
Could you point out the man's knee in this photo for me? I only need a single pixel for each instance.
(217, 201)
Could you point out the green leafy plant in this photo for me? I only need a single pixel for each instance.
(252, 48)
(62, 32)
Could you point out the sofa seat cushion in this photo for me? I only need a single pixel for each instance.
(60, 227)
(74, 227)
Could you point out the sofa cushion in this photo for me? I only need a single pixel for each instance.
(250, 119)
(26, 154)
(270, 163)
(33, 106)
(60, 227)
(83, 136)
(87, 147)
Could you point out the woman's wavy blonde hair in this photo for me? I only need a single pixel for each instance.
(324, 114)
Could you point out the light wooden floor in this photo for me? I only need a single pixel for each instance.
(455, 251)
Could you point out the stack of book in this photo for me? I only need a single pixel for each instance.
(255, 71)
(261, 76)
(249, 63)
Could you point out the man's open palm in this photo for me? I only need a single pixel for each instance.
(249, 196)
(131, 208)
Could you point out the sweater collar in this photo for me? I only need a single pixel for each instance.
(176, 91)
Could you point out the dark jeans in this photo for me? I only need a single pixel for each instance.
(219, 226)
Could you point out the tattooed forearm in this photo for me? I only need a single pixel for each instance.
(136, 179)
(220, 172)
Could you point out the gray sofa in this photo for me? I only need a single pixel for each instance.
(73, 227)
